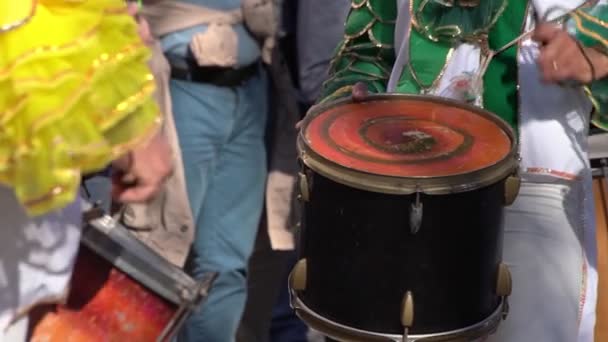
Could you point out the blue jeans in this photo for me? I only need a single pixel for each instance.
(221, 132)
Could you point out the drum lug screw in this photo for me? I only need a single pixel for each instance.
(504, 282)
(416, 215)
(512, 186)
(304, 187)
(407, 314)
(504, 287)
(297, 279)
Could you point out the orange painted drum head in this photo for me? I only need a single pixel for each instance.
(413, 138)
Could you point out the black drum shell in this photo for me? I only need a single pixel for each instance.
(362, 256)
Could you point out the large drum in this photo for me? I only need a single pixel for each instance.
(598, 153)
(402, 232)
(120, 291)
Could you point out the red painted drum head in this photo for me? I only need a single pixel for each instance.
(401, 136)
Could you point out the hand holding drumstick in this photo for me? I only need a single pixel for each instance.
(562, 58)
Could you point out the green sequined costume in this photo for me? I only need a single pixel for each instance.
(367, 52)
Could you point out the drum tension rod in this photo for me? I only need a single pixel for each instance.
(416, 215)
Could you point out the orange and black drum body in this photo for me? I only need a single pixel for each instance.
(402, 228)
(120, 291)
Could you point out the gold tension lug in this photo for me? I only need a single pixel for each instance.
(512, 186)
(304, 187)
(298, 276)
(504, 287)
(407, 314)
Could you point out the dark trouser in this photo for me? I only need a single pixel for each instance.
(266, 273)
(286, 326)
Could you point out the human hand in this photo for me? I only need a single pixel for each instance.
(359, 92)
(143, 27)
(562, 58)
(141, 173)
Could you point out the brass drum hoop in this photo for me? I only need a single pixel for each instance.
(598, 150)
(110, 240)
(408, 185)
(342, 332)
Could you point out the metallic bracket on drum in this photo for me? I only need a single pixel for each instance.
(512, 186)
(407, 314)
(416, 213)
(304, 187)
(504, 287)
(297, 279)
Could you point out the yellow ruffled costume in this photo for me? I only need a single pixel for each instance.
(75, 93)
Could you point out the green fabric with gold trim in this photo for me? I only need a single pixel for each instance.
(590, 26)
(500, 81)
(451, 23)
(501, 77)
(367, 52)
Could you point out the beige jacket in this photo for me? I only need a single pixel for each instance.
(165, 224)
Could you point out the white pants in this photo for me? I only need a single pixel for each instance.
(36, 257)
(16, 332)
(547, 249)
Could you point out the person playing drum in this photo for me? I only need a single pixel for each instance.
(75, 95)
(540, 65)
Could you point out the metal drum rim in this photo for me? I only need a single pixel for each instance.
(408, 185)
(598, 149)
(475, 331)
(110, 240)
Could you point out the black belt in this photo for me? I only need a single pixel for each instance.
(187, 70)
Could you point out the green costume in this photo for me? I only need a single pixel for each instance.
(367, 53)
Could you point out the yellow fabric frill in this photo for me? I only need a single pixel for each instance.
(75, 93)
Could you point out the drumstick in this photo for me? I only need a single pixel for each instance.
(529, 33)
(128, 179)
(558, 20)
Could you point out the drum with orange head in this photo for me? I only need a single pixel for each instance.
(120, 291)
(402, 231)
